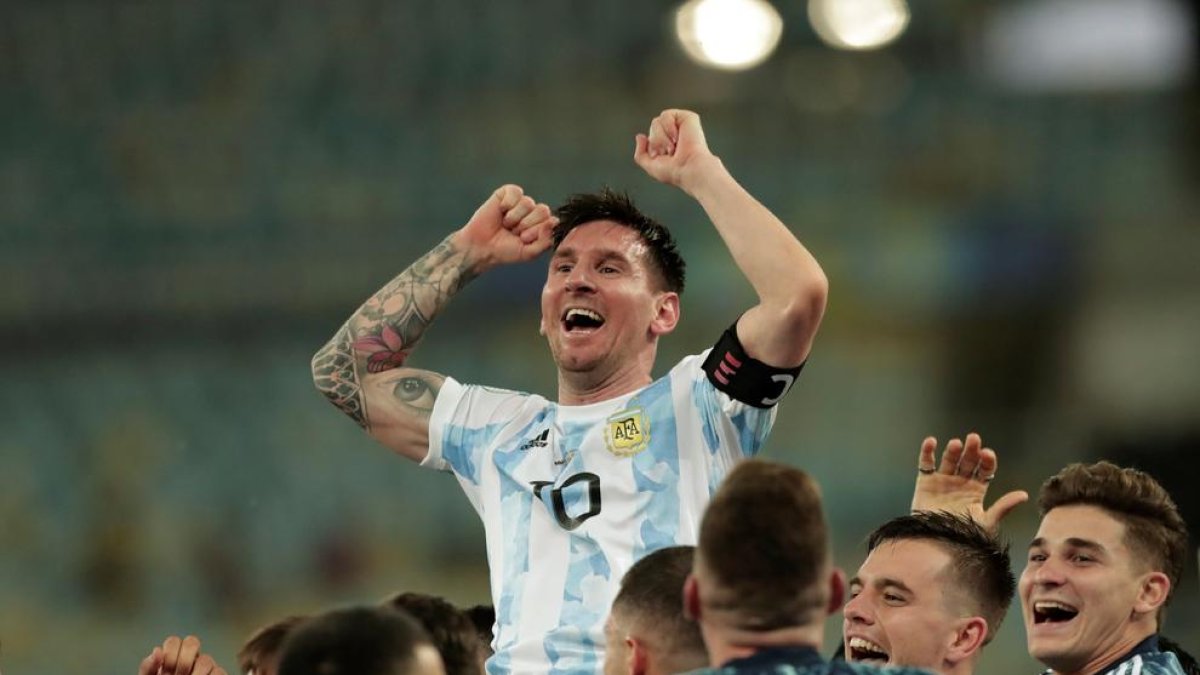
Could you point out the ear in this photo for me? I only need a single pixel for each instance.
(837, 591)
(968, 639)
(691, 598)
(666, 314)
(1156, 586)
(639, 657)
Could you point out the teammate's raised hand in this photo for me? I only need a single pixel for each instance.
(179, 656)
(673, 148)
(959, 483)
(508, 227)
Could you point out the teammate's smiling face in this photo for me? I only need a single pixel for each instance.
(602, 302)
(899, 613)
(1079, 590)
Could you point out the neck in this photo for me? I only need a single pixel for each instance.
(599, 384)
(1101, 660)
(726, 643)
(966, 667)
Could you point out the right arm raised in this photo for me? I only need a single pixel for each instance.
(360, 370)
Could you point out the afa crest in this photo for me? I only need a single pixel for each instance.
(627, 433)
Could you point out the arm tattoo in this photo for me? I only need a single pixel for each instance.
(418, 392)
(385, 329)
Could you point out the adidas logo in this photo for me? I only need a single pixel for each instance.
(542, 440)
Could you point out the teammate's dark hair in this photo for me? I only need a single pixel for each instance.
(484, 619)
(651, 598)
(449, 627)
(583, 208)
(264, 644)
(355, 641)
(765, 542)
(979, 564)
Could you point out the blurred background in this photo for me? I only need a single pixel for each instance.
(195, 194)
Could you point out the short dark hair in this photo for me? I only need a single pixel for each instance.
(265, 642)
(651, 596)
(449, 627)
(483, 617)
(583, 208)
(979, 564)
(1154, 530)
(354, 641)
(765, 541)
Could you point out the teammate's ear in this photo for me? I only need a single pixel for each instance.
(691, 598)
(837, 591)
(666, 314)
(968, 639)
(638, 657)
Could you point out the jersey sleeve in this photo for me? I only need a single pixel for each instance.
(731, 429)
(464, 423)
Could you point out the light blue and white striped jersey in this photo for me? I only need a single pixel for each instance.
(572, 496)
(1144, 659)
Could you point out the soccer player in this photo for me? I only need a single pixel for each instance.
(572, 492)
(932, 592)
(763, 580)
(1107, 555)
(647, 633)
(450, 629)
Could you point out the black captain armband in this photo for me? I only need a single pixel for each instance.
(743, 378)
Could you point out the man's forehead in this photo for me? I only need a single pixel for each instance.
(1080, 522)
(603, 235)
(910, 562)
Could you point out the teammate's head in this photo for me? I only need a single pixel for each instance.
(450, 629)
(613, 285)
(646, 630)
(483, 617)
(1108, 552)
(932, 591)
(763, 563)
(260, 653)
(360, 641)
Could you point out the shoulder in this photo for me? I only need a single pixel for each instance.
(1157, 663)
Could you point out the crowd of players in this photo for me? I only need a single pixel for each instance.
(630, 528)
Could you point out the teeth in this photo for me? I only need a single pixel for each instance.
(574, 312)
(866, 646)
(1046, 605)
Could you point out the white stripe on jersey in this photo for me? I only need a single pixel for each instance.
(572, 496)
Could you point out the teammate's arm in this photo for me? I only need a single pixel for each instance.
(791, 286)
(361, 369)
(959, 483)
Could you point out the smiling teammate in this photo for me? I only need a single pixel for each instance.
(573, 491)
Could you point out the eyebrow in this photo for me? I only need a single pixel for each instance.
(883, 582)
(1073, 542)
(605, 254)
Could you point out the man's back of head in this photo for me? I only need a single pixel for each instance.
(647, 631)
(360, 641)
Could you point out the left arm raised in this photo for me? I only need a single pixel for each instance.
(791, 286)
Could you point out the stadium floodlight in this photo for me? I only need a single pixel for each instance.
(728, 34)
(858, 24)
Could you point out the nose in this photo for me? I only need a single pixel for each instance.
(579, 279)
(1048, 573)
(856, 610)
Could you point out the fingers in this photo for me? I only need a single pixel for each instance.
(986, 470)
(969, 461)
(925, 462)
(950, 457)
(662, 137)
(1004, 506)
(507, 196)
(188, 651)
(204, 665)
(641, 149)
(152, 662)
(170, 649)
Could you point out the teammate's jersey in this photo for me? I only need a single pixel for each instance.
(1144, 659)
(800, 661)
(572, 496)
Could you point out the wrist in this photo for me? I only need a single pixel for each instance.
(701, 175)
(475, 256)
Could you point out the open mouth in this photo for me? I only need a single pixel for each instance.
(578, 319)
(860, 649)
(1052, 611)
